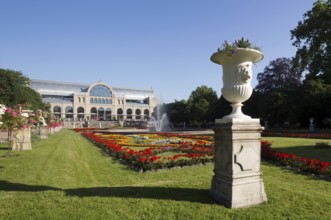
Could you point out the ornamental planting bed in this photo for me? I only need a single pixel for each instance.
(153, 151)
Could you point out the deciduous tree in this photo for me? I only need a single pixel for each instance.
(314, 101)
(15, 89)
(312, 37)
(176, 111)
(278, 76)
(277, 84)
(201, 105)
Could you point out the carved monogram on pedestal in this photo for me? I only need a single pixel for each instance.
(246, 158)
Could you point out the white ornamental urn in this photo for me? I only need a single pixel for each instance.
(237, 77)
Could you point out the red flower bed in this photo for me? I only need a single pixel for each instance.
(185, 154)
(310, 166)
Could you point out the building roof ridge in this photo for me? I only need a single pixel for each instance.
(62, 82)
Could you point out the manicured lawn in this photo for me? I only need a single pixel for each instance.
(302, 147)
(67, 177)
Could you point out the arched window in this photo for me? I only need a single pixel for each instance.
(146, 113)
(83, 99)
(100, 90)
(94, 113)
(99, 101)
(108, 114)
(95, 100)
(69, 112)
(57, 111)
(110, 101)
(79, 100)
(69, 109)
(80, 112)
(103, 101)
(129, 113)
(91, 100)
(120, 113)
(101, 114)
(138, 114)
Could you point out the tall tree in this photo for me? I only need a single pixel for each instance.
(277, 84)
(15, 89)
(313, 40)
(201, 105)
(176, 111)
(314, 101)
(278, 76)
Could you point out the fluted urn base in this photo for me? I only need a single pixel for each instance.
(236, 112)
(236, 95)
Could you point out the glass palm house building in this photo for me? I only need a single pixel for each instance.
(98, 101)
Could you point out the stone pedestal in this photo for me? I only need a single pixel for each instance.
(43, 132)
(22, 139)
(237, 178)
(51, 130)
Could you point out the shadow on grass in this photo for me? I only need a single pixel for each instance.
(9, 155)
(160, 193)
(8, 186)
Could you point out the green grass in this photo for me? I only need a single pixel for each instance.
(66, 177)
(303, 147)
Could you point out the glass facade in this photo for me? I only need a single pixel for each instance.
(100, 90)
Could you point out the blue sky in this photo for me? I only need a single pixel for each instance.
(165, 45)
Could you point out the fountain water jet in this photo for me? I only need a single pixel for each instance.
(159, 121)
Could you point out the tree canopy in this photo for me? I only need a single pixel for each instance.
(15, 89)
(312, 37)
(279, 76)
(200, 104)
(314, 100)
(176, 111)
(277, 85)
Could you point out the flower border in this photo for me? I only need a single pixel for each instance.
(186, 154)
(300, 164)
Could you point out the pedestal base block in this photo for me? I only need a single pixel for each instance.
(43, 133)
(237, 195)
(22, 140)
(237, 178)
